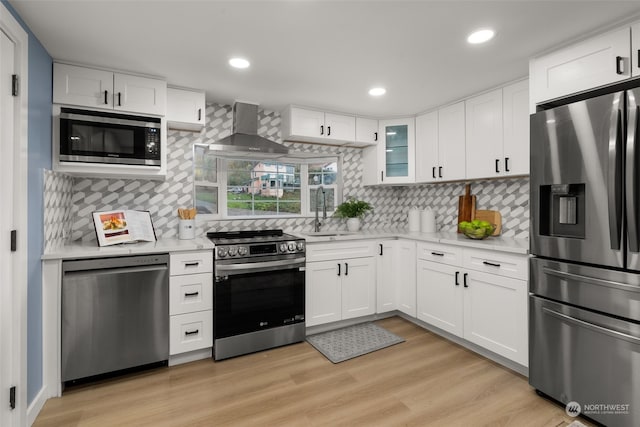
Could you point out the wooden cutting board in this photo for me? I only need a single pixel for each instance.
(466, 206)
(494, 217)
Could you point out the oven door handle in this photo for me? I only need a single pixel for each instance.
(254, 267)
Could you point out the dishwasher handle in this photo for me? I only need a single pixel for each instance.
(119, 270)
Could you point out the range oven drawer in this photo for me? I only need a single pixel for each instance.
(585, 357)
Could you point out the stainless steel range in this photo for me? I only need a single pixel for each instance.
(258, 294)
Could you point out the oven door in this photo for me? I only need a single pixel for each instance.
(251, 297)
(109, 138)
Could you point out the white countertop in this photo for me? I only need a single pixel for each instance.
(77, 250)
(498, 243)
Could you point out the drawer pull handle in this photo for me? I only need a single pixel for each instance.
(191, 294)
(191, 332)
(491, 264)
(437, 253)
(192, 264)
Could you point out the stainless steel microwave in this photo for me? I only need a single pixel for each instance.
(100, 137)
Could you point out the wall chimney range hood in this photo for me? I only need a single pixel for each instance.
(245, 141)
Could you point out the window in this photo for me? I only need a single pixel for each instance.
(242, 188)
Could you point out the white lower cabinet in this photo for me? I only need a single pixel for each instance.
(190, 301)
(386, 276)
(340, 288)
(405, 276)
(487, 309)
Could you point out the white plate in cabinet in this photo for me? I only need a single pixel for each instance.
(190, 292)
(191, 331)
(191, 263)
(494, 262)
(443, 254)
(339, 250)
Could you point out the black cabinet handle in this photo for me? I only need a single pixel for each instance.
(497, 165)
(381, 250)
(119, 99)
(433, 172)
(105, 97)
(381, 175)
(619, 65)
(437, 253)
(506, 164)
(191, 294)
(191, 332)
(638, 62)
(321, 129)
(491, 264)
(464, 280)
(375, 134)
(339, 267)
(346, 269)
(457, 274)
(199, 114)
(191, 264)
(328, 130)
(439, 171)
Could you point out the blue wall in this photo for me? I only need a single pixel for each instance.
(40, 98)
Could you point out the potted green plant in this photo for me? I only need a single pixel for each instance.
(354, 210)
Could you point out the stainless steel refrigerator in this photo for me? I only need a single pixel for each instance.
(584, 305)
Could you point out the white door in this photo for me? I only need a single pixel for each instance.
(139, 94)
(483, 115)
(635, 50)
(82, 86)
(9, 342)
(358, 287)
(386, 277)
(427, 163)
(515, 112)
(439, 296)
(338, 126)
(185, 106)
(366, 131)
(323, 292)
(451, 142)
(495, 314)
(397, 153)
(406, 277)
(308, 123)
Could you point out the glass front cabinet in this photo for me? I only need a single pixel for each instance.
(397, 153)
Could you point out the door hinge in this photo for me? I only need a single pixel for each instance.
(14, 85)
(12, 397)
(14, 240)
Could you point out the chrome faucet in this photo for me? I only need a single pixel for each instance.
(317, 223)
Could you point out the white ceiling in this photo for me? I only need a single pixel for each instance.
(320, 53)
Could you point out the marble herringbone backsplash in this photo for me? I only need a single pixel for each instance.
(77, 198)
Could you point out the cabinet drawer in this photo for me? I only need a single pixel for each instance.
(190, 292)
(191, 262)
(340, 250)
(191, 331)
(436, 252)
(500, 263)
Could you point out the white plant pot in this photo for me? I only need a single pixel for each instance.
(353, 224)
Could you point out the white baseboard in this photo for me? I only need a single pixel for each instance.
(36, 406)
(191, 356)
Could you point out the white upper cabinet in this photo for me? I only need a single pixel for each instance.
(515, 121)
(89, 87)
(595, 62)
(484, 135)
(396, 154)
(301, 124)
(635, 50)
(427, 161)
(451, 142)
(185, 109)
(366, 131)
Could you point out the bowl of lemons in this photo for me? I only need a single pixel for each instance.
(476, 229)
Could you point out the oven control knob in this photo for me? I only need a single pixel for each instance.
(300, 246)
(283, 247)
(233, 251)
(222, 252)
(292, 247)
(242, 250)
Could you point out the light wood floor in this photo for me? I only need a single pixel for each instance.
(424, 381)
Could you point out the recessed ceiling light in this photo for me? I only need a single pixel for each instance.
(377, 91)
(481, 36)
(239, 63)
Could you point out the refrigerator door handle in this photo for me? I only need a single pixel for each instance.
(614, 178)
(631, 189)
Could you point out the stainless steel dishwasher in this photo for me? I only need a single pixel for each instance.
(115, 314)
